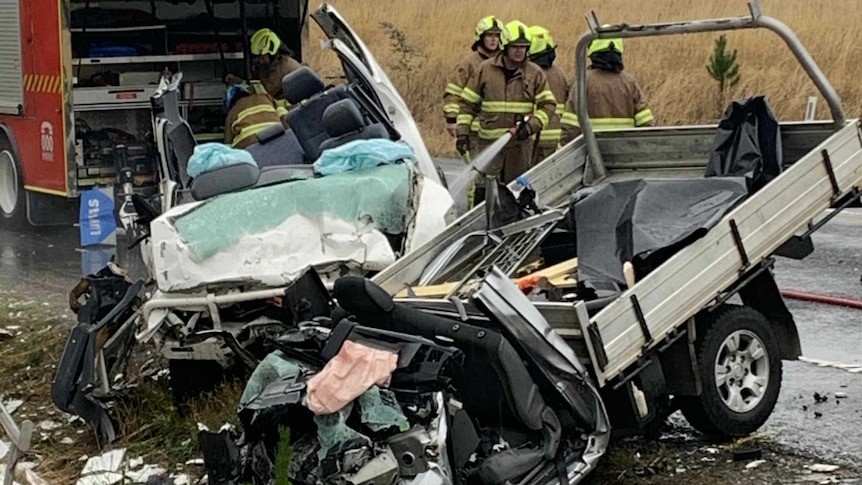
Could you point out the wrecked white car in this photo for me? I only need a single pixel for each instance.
(346, 190)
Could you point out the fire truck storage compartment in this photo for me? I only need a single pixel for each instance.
(119, 50)
(97, 134)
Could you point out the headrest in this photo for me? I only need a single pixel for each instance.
(342, 117)
(301, 84)
(377, 130)
(360, 296)
(223, 180)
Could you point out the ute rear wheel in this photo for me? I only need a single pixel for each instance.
(740, 369)
(13, 208)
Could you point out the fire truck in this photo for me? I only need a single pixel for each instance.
(76, 78)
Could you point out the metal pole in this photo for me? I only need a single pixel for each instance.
(595, 156)
(810, 66)
(246, 52)
(20, 441)
(754, 21)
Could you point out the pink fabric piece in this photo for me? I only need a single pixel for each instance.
(350, 373)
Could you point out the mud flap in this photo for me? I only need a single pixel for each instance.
(76, 367)
(763, 294)
(76, 378)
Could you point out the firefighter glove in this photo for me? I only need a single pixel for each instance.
(525, 130)
(462, 144)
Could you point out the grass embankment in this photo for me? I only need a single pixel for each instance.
(672, 70)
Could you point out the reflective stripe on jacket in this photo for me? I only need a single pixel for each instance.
(456, 82)
(551, 135)
(498, 104)
(615, 101)
(248, 117)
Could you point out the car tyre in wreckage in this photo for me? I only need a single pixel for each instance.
(97, 346)
(740, 368)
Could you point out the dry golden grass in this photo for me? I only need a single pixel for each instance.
(671, 69)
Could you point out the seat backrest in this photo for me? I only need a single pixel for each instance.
(306, 120)
(301, 84)
(344, 123)
(174, 135)
(377, 130)
(181, 145)
(277, 146)
(223, 180)
(495, 385)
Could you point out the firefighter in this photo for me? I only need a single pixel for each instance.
(615, 99)
(486, 43)
(273, 61)
(543, 53)
(506, 91)
(248, 114)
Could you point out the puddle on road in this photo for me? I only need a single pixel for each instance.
(52, 258)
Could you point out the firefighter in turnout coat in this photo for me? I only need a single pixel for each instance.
(543, 53)
(615, 100)
(506, 91)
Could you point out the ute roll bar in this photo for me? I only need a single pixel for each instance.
(754, 21)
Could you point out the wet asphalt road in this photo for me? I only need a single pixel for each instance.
(829, 334)
(45, 263)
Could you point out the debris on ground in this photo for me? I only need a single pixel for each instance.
(49, 425)
(754, 464)
(33, 478)
(143, 475)
(112, 468)
(840, 395)
(13, 405)
(823, 468)
(103, 469)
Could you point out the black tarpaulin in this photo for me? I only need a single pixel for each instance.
(647, 221)
(747, 144)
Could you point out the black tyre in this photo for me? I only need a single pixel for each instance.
(740, 368)
(13, 202)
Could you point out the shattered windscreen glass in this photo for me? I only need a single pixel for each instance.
(381, 195)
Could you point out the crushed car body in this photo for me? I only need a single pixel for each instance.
(225, 240)
(376, 391)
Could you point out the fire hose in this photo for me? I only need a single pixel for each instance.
(826, 299)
